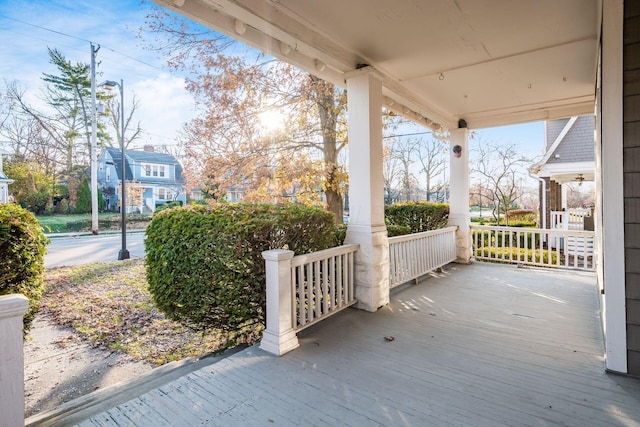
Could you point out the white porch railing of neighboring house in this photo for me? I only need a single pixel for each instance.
(533, 246)
(303, 290)
(414, 255)
(572, 219)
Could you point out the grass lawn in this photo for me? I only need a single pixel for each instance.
(61, 223)
(109, 306)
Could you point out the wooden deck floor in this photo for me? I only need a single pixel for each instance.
(479, 345)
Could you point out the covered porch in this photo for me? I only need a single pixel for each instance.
(479, 344)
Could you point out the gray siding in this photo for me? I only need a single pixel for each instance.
(553, 129)
(631, 144)
(578, 143)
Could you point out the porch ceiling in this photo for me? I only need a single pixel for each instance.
(490, 62)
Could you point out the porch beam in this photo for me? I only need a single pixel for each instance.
(366, 189)
(459, 193)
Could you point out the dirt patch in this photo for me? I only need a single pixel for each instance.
(59, 366)
(98, 326)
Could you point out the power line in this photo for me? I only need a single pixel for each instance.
(45, 28)
(75, 38)
(408, 134)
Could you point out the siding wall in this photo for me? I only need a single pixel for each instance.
(578, 143)
(631, 158)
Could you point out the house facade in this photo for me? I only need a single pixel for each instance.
(569, 157)
(4, 181)
(152, 179)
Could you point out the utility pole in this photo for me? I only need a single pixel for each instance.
(94, 143)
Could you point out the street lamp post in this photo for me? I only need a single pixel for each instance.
(124, 253)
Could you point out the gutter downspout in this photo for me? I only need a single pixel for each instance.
(544, 199)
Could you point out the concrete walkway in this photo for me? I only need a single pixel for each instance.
(478, 345)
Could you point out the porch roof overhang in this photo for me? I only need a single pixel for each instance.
(488, 62)
(567, 172)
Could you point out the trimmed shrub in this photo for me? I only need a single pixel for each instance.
(418, 216)
(22, 245)
(340, 233)
(168, 205)
(518, 255)
(521, 218)
(510, 238)
(205, 265)
(398, 230)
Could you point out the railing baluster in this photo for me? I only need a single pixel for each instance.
(414, 255)
(571, 248)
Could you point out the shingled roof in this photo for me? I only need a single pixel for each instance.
(144, 157)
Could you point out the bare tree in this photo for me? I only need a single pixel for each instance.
(391, 173)
(402, 151)
(502, 169)
(131, 131)
(431, 156)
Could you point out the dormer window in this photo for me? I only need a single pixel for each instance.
(154, 170)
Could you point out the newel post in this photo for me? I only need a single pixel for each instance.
(12, 309)
(279, 337)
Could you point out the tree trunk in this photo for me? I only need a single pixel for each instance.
(328, 122)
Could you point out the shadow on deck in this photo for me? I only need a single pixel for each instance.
(483, 344)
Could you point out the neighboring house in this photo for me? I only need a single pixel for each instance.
(235, 194)
(4, 181)
(569, 157)
(152, 179)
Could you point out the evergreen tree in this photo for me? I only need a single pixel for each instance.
(83, 200)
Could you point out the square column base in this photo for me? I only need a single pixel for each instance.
(464, 244)
(372, 266)
(279, 344)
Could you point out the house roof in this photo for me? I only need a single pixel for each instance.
(570, 150)
(143, 157)
(116, 155)
(489, 62)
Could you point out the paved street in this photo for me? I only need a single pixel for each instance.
(88, 249)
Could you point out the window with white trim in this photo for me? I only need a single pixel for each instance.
(165, 194)
(152, 170)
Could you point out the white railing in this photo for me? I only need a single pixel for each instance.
(323, 284)
(533, 246)
(572, 219)
(303, 290)
(414, 255)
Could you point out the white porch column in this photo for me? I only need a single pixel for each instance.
(279, 336)
(459, 193)
(366, 189)
(12, 308)
(609, 188)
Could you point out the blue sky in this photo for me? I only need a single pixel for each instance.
(114, 25)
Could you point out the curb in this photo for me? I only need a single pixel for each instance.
(89, 233)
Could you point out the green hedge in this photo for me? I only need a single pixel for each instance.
(518, 255)
(205, 265)
(418, 216)
(168, 205)
(22, 245)
(511, 238)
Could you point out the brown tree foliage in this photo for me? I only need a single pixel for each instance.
(228, 146)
